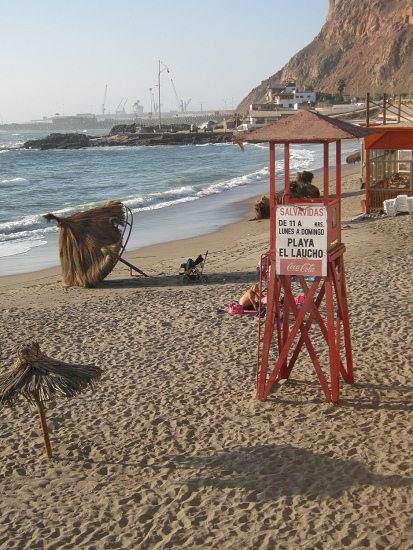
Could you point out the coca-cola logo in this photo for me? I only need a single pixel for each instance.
(303, 268)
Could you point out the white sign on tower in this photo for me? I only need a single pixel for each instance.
(301, 240)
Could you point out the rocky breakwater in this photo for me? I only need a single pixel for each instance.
(77, 141)
(59, 141)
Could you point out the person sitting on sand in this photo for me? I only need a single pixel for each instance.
(251, 298)
(302, 188)
(262, 208)
(249, 301)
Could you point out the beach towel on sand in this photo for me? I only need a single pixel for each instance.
(235, 308)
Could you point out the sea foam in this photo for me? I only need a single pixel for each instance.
(12, 181)
(10, 248)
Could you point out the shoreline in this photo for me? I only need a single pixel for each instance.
(202, 218)
(160, 250)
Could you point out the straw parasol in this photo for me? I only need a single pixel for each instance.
(90, 243)
(353, 158)
(40, 378)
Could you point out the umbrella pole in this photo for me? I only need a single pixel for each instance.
(42, 415)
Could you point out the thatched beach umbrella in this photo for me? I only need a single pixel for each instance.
(90, 243)
(353, 158)
(40, 378)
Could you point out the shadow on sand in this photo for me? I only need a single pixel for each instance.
(177, 281)
(283, 470)
(358, 396)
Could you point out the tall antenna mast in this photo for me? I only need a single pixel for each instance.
(159, 92)
(165, 68)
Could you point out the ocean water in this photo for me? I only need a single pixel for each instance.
(176, 191)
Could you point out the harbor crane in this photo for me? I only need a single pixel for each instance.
(176, 95)
(104, 100)
(182, 105)
(120, 109)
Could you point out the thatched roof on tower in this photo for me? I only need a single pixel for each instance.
(305, 127)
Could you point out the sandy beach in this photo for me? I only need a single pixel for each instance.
(172, 450)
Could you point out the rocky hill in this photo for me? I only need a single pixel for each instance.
(368, 43)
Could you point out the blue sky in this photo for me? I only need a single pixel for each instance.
(58, 56)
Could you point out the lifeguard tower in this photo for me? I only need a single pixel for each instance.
(305, 252)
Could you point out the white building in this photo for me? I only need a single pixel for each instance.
(289, 96)
(260, 114)
(280, 101)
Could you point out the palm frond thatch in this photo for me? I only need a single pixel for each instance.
(40, 378)
(353, 158)
(90, 243)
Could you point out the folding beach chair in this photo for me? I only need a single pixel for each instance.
(192, 270)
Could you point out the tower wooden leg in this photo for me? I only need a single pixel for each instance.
(332, 350)
(334, 327)
(346, 328)
(265, 345)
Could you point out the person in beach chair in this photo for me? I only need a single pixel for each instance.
(193, 269)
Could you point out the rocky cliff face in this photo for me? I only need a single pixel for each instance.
(368, 43)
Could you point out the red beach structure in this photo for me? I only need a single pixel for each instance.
(387, 164)
(305, 250)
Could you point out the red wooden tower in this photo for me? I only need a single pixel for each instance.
(305, 252)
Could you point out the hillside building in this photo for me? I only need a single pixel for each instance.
(280, 101)
(289, 96)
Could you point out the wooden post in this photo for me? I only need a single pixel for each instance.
(338, 175)
(399, 108)
(325, 179)
(272, 196)
(286, 312)
(42, 415)
(286, 164)
(367, 109)
(367, 172)
(384, 108)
